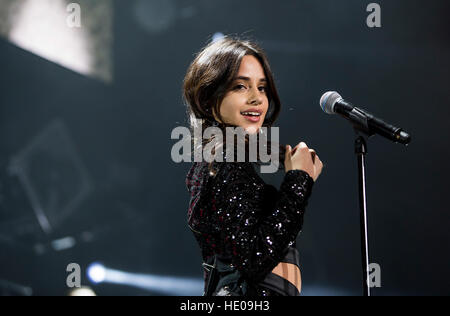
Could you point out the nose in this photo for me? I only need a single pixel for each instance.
(255, 97)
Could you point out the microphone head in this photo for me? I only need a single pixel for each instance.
(328, 100)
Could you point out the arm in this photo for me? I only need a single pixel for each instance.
(257, 240)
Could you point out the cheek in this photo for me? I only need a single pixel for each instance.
(266, 106)
(230, 106)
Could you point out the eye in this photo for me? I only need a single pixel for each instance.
(263, 88)
(239, 86)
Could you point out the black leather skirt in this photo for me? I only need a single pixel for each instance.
(280, 285)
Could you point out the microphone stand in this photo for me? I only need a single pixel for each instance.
(363, 132)
(361, 151)
(360, 121)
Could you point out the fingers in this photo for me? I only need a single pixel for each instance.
(313, 155)
(318, 166)
(298, 158)
(288, 150)
(288, 155)
(298, 146)
(319, 162)
(303, 147)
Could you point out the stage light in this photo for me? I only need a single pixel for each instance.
(96, 273)
(84, 291)
(37, 28)
(168, 285)
(43, 27)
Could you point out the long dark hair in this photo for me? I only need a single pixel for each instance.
(209, 78)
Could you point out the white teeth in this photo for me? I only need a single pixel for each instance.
(251, 113)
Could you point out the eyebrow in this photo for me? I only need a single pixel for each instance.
(248, 79)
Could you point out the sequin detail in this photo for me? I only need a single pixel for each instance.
(245, 221)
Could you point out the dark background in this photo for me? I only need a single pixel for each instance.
(132, 212)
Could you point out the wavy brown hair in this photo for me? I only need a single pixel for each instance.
(209, 78)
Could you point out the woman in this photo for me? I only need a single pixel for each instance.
(245, 228)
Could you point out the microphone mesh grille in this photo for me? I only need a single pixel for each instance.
(328, 100)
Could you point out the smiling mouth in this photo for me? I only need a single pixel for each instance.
(253, 117)
(251, 113)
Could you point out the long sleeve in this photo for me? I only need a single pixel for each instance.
(257, 236)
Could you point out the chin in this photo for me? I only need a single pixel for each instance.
(252, 129)
(249, 127)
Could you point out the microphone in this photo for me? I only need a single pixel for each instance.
(332, 103)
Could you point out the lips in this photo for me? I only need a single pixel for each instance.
(253, 116)
(253, 119)
(253, 110)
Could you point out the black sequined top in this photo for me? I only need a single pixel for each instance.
(237, 216)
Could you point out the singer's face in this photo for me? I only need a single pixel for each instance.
(247, 94)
